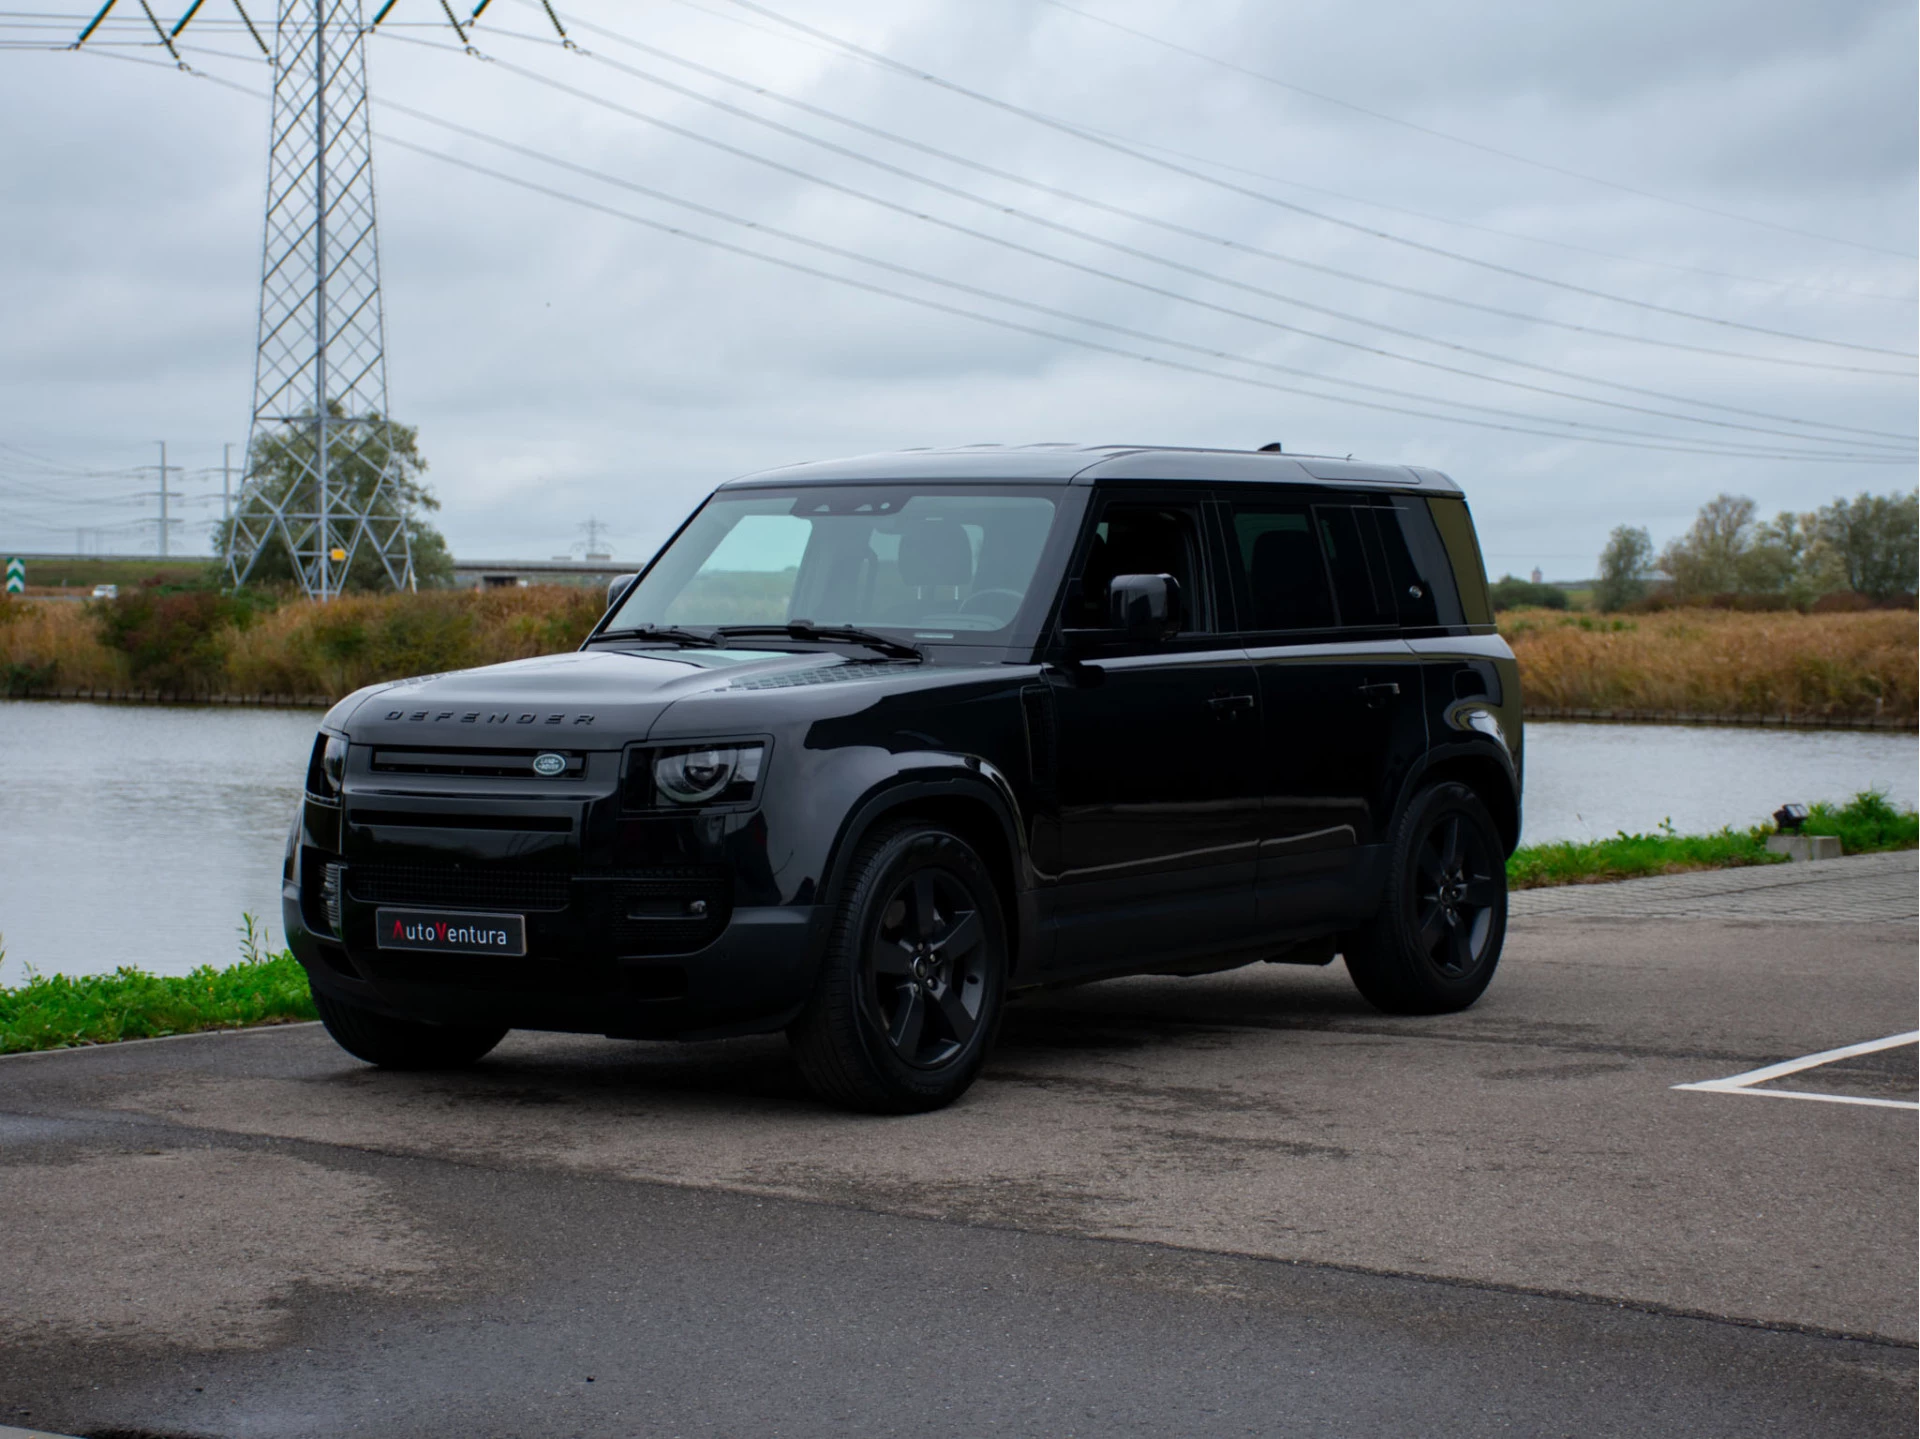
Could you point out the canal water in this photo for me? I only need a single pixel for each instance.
(133, 834)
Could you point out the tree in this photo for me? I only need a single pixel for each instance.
(1624, 566)
(1708, 558)
(282, 460)
(1873, 541)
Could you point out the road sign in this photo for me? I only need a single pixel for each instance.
(16, 575)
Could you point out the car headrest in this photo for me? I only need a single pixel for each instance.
(936, 553)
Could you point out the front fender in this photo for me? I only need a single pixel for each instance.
(953, 784)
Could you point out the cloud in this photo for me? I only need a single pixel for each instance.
(560, 361)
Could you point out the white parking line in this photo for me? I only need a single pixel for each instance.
(1743, 1083)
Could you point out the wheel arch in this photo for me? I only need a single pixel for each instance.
(972, 806)
(1487, 774)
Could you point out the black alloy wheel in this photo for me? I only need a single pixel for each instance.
(1456, 894)
(927, 966)
(1433, 945)
(908, 998)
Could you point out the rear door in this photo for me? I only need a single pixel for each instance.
(1155, 752)
(1340, 695)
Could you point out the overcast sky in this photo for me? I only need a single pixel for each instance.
(562, 363)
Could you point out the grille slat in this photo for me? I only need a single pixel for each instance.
(471, 888)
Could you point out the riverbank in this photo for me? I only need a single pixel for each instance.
(58, 1012)
(181, 649)
(1855, 670)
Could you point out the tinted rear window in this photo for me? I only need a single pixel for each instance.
(1353, 559)
(1417, 566)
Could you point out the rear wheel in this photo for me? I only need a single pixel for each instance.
(1434, 944)
(909, 995)
(394, 1043)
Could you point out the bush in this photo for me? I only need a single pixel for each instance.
(1865, 823)
(174, 639)
(1512, 594)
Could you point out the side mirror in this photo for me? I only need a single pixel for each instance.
(1147, 607)
(617, 586)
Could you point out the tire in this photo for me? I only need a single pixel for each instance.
(1435, 942)
(908, 1001)
(404, 1043)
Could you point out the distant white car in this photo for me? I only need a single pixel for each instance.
(106, 592)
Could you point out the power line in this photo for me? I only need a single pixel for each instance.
(1084, 235)
(1238, 246)
(1119, 147)
(1661, 443)
(1771, 282)
(1076, 341)
(1481, 146)
(1078, 266)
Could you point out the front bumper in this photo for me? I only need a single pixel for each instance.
(608, 954)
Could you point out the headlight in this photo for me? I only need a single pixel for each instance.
(333, 762)
(702, 776)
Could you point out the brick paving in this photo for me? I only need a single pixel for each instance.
(1862, 888)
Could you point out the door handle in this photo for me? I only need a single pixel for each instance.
(1378, 694)
(1226, 706)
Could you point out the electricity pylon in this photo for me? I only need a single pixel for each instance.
(322, 477)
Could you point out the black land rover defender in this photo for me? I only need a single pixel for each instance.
(871, 744)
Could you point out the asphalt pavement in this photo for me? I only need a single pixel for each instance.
(1239, 1204)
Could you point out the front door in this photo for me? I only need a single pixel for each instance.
(1157, 781)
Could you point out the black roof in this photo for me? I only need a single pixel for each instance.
(1083, 464)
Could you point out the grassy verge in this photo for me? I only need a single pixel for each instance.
(58, 1012)
(1864, 824)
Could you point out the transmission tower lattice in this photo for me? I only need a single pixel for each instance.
(322, 475)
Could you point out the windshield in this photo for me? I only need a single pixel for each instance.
(933, 565)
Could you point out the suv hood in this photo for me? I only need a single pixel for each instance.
(598, 698)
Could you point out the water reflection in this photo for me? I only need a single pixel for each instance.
(134, 834)
(138, 834)
(1589, 780)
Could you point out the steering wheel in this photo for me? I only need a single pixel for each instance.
(967, 605)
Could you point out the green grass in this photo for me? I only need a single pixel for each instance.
(58, 1012)
(1866, 823)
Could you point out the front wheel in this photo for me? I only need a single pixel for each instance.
(394, 1043)
(1436, 940)
(909, 995)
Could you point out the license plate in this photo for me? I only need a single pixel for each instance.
(446, 931)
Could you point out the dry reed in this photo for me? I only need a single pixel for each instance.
(1721, 663)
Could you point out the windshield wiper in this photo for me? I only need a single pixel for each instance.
(671, 634)
(845, 634)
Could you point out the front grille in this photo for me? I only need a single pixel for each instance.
(491, 763)
(460, 819)
(474, 887)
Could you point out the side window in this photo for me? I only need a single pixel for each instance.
(1143, 539)
(1286, 578)
(1353, 559)
(1418, 571)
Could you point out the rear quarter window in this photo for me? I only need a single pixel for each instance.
(1455, 524)
(1418, 566)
